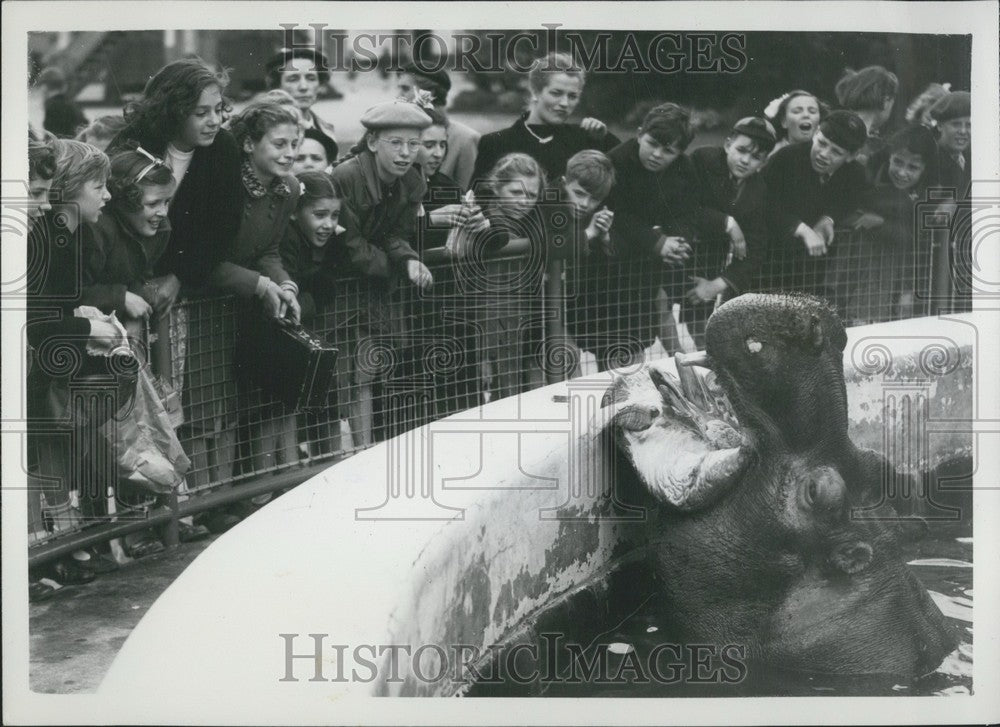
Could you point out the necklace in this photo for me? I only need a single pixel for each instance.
(540, 139)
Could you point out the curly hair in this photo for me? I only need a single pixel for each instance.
(167, 101)
(867, 89)
(551, 65)
(76, 164)
(258, 118)
(124, 184)
(41, 160)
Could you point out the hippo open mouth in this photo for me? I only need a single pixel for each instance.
(684, 455)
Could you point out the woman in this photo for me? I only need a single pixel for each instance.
(544, 132)
(300, 72)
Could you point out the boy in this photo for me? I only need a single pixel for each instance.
(809, 188)
(658, 216)
(729, 182)
(381, 193)
(316, 153)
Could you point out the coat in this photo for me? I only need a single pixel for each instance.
(312, 269)
(567, 140)
(459, 162)
(205, 212)
(116, 261)
(745, 202)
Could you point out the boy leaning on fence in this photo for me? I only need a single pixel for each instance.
(382, 192)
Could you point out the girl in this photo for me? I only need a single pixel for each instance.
(268, 136)
(795, 116)
(505, 303)
(306, 255)
(544, 131)
(179, 119)
(119, 256)
(884, 288)
(76, 174)
(442, 201)
(918, 112)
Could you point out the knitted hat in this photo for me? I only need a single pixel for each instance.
(395, 114)
(758, 129)
(954, 105)
(845, 129)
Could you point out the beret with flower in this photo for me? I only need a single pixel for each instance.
(395, 114)
(954, 105)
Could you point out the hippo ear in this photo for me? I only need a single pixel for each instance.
(852, 557)
(815, 334)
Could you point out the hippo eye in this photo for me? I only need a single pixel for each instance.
(754, 346)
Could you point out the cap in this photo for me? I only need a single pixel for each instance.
(329, 145)
(758, 129)
(954, 105)
(846, 129)
(393, 114)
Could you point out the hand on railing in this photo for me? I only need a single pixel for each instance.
(673, 250)
(600, 227)
(705, 290)
(737, 241)
(868, 221)
(419, 274)
(814, 241)
(162, 293)
(136, 307)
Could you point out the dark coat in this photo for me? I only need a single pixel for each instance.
(313, 269)
(380, 222)
(63, 117)
(116, 261)
(255, 250)
(745, 202)
(205, 212)
(567, 140)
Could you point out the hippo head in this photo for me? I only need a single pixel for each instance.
(756, 544)
(780, 360)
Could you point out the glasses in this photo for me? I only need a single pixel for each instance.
(413, 145)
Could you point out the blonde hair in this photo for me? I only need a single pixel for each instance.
(76, 164)
(552, 65)
(514, 166)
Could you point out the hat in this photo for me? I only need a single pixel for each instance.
(954, 105)
(846, 129)
(439, 77)
(393, 114)
(758, 129)
(329, 145)
(283, 56)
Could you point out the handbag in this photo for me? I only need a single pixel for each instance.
(288, 362)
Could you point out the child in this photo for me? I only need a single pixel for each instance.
(382, 192)
(101, 131)
(443, 206)
(729, 182)
(871, 94)
(315, 154)
(306, 255)
(119, 257)
(810, 188)
(659, 216)
(918, 112)
(76, 174)
(795, 116)
(267, 135)
(900, 262)
(544, 131)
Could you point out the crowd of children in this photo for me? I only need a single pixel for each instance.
(181, 198)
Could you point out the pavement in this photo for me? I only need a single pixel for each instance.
(75, 635)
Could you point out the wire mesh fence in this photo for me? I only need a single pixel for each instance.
(487, 329)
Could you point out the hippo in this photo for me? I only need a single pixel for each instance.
(762, 549)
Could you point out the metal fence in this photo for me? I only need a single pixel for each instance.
(487, 329)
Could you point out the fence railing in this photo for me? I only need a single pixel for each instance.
(487, 329)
